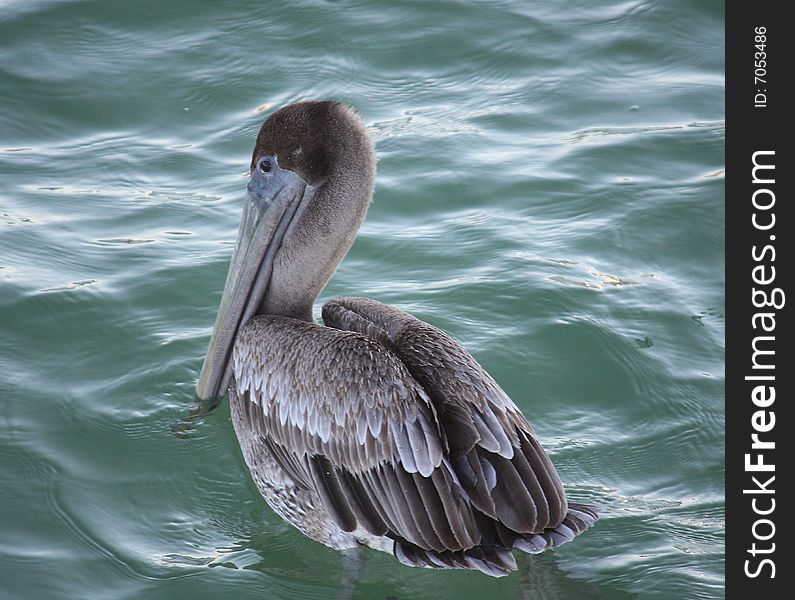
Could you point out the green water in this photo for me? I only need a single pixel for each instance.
(550, 192)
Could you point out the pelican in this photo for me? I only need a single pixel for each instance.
(374, 428)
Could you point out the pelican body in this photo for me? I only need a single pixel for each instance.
(374, 428)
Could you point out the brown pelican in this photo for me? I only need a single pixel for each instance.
(375, 428)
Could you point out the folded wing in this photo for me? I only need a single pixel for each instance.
(400, 433)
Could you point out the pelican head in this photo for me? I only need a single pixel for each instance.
(312, 175)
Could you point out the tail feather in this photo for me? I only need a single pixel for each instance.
(494, 559)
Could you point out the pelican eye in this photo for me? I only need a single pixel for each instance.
(265, 166)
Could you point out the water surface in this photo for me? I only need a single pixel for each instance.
(550, 192)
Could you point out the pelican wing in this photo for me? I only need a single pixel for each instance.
(490, 444)
(401, 433)
(341, 414)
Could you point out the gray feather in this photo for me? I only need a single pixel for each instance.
(394, 429)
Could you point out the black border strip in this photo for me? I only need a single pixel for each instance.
(759, 232)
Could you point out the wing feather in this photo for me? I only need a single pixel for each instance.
(331, 490)
(401, 433)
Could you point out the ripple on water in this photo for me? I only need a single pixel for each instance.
(550, 192)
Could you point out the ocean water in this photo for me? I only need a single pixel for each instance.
(550, 192)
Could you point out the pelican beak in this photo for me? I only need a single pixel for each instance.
(273, 199)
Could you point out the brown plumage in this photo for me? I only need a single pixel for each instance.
(375, 428)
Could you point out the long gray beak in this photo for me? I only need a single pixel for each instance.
(274, 197)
